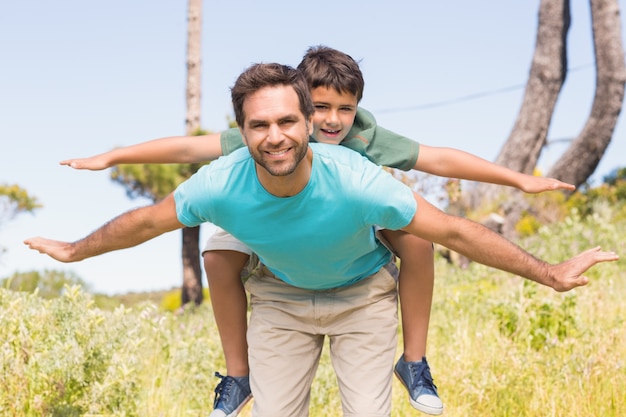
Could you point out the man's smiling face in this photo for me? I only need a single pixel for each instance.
(275, 130)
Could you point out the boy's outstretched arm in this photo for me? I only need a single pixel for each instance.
(453, 163)
(173, 149)
(489, 248)
(127, 230)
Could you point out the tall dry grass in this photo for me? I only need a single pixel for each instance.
(498, 346)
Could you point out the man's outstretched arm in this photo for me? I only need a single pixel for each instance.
(127, 230)
(489, 248)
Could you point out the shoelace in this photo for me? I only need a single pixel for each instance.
(223, 388)
(421, 372)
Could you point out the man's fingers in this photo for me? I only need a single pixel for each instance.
(571, 271)
(598, 255)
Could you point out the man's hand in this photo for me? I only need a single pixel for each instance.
(61, 251)
(569, 274)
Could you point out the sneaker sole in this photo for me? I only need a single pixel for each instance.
(221, 413)
(420, 407)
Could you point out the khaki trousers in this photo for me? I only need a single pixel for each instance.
(286, 335)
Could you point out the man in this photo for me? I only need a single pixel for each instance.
(308, 212)
(336, 84)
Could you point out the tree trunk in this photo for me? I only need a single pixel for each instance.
(581, 159)
(192, 273)
(522, 149)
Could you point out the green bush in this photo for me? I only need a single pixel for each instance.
(498, 345)
(61, 357)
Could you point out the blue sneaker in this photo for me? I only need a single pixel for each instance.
(231, 395)
(422, 391)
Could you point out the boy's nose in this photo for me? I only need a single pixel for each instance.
(332, 117)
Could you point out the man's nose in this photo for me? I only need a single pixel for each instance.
(274, 134)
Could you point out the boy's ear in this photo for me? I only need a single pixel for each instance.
(310, 125)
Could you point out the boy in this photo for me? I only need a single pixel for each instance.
(336, 85)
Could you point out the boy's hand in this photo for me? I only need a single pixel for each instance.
(569, 274)
(534, 185)
(93, 163)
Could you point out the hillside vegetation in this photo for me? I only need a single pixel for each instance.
(498, 345)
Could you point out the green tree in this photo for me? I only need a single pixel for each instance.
(15, 200)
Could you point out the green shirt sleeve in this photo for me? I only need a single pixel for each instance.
(379, 145)
(231, 140)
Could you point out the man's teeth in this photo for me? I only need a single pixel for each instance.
(278, 152)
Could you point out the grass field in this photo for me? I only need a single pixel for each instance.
(498, 346)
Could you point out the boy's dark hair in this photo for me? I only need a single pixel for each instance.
(259, 76)
(327, 67)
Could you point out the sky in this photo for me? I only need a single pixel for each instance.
(80, 78)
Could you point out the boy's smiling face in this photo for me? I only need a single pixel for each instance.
(334, 114)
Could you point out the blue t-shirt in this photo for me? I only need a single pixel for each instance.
(321, 238)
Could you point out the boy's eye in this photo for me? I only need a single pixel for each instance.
(320, 107)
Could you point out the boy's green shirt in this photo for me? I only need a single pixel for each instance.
(379, 145)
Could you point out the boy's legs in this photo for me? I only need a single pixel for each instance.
(224, 259)
(230, 306)
(416, 282)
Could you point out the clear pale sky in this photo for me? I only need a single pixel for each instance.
(80, 78)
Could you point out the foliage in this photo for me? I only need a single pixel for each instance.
(13, 201)
(16, 200)
(539, 321)
(498, 345)
(549, 208)
(58, 359)
(618, 174)
(172, 300)
(613, 191)
(47, 284)
(153, 181)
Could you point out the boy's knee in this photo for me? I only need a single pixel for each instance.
(225, 260)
